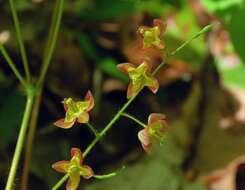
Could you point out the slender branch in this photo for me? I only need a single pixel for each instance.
(92, 129)
(29, 141)
(12, 65)
(20, 142)
(20, 40)
(120, 112)
(51, 30)
(108, 126)
(60, 182)
(53, 39)
(134, 119)
(202, 31)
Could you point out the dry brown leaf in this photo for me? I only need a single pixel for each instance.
(229, 178)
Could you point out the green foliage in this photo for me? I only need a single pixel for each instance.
(222, 8)
(110, 9)
(234, 76)
(108, 66)
(103, 62)
(237, 31)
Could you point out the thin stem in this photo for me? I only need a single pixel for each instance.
(108, 126)
(202, 31)
(60, 182)
(53, 40)
(20, 142)
(120, 112)
(51, 30)
(134, 119)
(92, 129)
(12, 65)
(20, 40)
(159, 67)
(30, 138)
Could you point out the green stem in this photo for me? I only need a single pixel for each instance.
(20, 142)
(92, 129)
(120, 112)
(20, 40)
(60, 182)
(108, 126)
(53, 39)
(134, 119)
(12, 65)
(202, 31)
(29, 140)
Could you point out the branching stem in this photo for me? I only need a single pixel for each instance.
(12, 65)
(121, 111)
(134, 119)
(92, 129)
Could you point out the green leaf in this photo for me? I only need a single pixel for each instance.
(108, 9)
(219, 5)
(108, 65)
(237, 31)
(87, 46)
(234, 76)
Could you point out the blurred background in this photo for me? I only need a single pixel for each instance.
(202, 93)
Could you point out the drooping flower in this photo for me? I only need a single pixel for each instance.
(74, 168)
(151, 36)
(140, 76)
(76, 111)
(156, 129)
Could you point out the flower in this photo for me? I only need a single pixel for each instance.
(156, 129)
(74, 168)
(140, 76)
(76, 111)
(151, 36)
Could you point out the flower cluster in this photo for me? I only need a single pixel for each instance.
(148, 37)
(78, 111)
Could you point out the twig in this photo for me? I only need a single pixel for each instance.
(20, 40)
(20, 142)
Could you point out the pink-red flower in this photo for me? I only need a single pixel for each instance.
(151, 36)
(140, 76)
(74, 168)
(156, 129)
(76, 111)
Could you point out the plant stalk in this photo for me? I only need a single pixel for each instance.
(60, 182)
(29, 141)
(134, 119)
(92, 129)
(12, 65)
(53, 39)
(20, 40)
(20, 142)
